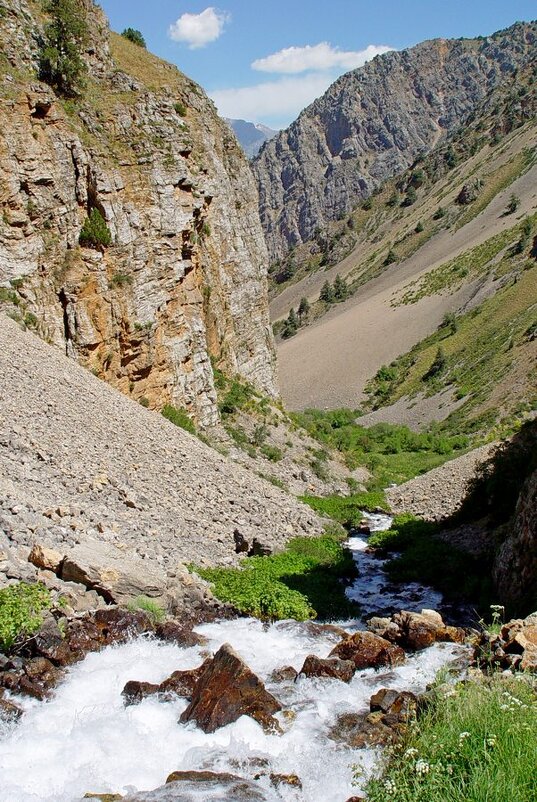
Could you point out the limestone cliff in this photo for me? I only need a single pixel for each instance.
(372, 124)
(185, 276)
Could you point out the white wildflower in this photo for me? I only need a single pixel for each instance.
(422, 767)
(463, 736)
(411, 752)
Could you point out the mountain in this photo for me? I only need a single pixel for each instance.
(372, 123)
(251, 136)
(177, 274)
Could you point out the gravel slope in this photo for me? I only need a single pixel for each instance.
(78, 459)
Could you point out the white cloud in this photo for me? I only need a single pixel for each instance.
(316, 57)
(197, 30)
(282, 99)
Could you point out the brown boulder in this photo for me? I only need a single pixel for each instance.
(284, 674)
(180, 683)
(398, 705)
(331, 667)
(135, 692)
(44, 558)
(367, 650)
(420, 630)
(228, 689)
(9, 711)
(174, 632)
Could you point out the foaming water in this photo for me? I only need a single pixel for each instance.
(85, 739)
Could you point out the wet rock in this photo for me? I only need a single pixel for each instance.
(284, 674)
(286, 779)
(331, 667)
(367, 650)
(104, 797)
(191, 786)
(228, 689)
(400, 706)
(181, 634)
(9, 711)
(135, 692)
(180, 683)
(420, 630)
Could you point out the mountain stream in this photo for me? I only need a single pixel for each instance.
(85, 740)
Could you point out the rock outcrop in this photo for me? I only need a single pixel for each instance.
(226, 690)
(367, 650)
(185, 276)
(373, 123)
(515, 569)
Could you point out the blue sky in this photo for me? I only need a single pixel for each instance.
(264, 60)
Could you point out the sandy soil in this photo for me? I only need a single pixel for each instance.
(328, 364)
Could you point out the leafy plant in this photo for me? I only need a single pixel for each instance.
(180, 109)
(21, 607)
(60, 61)
(134, 36)
(179, 417)
(95, 233)
(301, 582)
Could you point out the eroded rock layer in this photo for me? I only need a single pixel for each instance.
(185, 276)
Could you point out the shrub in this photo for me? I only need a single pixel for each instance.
(134, 36)
(438, 365)
(513, 204)
(149, 606)
(303, 308)
(180, 109)
(60, 60)
(327, 293)
(301, 582)
(179, 417)
(120, 279)
(272, 453)
(341, 290)
(391, 257)
(20, 611)
(95, 233)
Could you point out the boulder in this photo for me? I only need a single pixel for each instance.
(44, 558)
(367, 650)
(228, 689)
(192, 786)
(415, 631)
(180, 683)
(115, 574)
(331, 667)
(9, 711)
(181, 634)
(284, 674)
(400, 706)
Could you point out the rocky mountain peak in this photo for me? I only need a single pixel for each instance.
(372, 123)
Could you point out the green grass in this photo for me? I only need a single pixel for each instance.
(477, 745)
(301, 582)
(21, 608)
(488, 341)
(393, 453)
(149, 606)
(179, 417)
(421, 557)
(347, 510)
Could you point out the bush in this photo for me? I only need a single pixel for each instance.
(272, 453)
(60, 60)
(179, 417)
(327, 293)
(180, 109)
(134, 36)
(20, 612)
(301, 582)
(95, 233)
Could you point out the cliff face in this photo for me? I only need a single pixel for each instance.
(372, 123)
(515, 570)
(185, 276)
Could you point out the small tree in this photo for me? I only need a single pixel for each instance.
(410, 197)
(134, 36)
(303, 309)
(327, 293)
(340, 289)
(60, 60)
(291, 325)
(514, 203)
(95, 233)
(391, 257)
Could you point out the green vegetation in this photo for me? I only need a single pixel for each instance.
(60, 60)
(301, 582)
(480, 349)
(134, 36)
(422, 557)
(476, 744)
(95, 233)
(180, 109)
(393, 453)
(21, 607)
(347, 510)
(150, 606)
(179, 417)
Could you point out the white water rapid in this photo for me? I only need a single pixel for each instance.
(84, 738)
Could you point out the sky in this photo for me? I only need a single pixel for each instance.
(265, 60)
